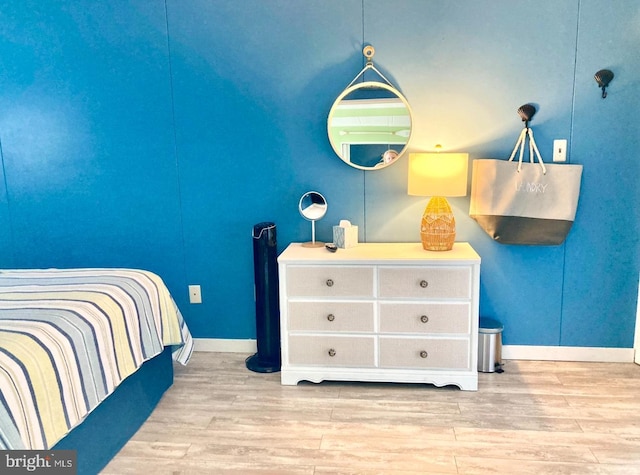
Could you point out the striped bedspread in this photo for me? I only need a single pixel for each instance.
(67, 340)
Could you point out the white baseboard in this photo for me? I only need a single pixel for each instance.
(222, 345)
(509, 352)
(568, 353)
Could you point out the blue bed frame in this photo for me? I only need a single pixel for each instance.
(108, 428)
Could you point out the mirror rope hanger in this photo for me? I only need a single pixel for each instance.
(368, 52)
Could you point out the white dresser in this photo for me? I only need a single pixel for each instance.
(380, 312)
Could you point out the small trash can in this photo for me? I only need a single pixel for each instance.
(490, 345)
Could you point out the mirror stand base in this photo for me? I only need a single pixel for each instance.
(313, 244)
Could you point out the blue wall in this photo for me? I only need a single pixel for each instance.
(155, 134)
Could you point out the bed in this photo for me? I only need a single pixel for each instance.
(85, 356)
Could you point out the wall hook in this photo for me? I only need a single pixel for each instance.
(526, 112)
(603, 78)
(368, 52)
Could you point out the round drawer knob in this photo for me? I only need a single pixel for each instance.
(329, 283)
(332, 352)
(331, 317)
(424, 284)
(424, 319)
(423, 354)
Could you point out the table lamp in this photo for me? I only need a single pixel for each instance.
(438, 175)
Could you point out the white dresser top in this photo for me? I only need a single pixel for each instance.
(365, 253)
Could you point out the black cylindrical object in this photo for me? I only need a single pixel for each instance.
(265, 262)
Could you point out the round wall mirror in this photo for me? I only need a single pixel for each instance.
(312, 206)
(369, 125)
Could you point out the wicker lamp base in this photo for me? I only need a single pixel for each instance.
(438, 227)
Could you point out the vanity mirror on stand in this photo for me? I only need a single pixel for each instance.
(312, 207)
(369, 124)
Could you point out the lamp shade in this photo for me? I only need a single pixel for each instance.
(438, 174)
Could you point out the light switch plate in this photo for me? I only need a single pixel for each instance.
(560, 150)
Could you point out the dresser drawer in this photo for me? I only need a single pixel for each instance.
(329, 316)
(329, 281)
(424, 282)
(425, 317)
(331, 350)
(427, 353)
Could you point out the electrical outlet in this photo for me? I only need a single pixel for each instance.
(194, 294)
(560, 150)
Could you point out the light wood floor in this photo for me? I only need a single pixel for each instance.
(535, 418)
